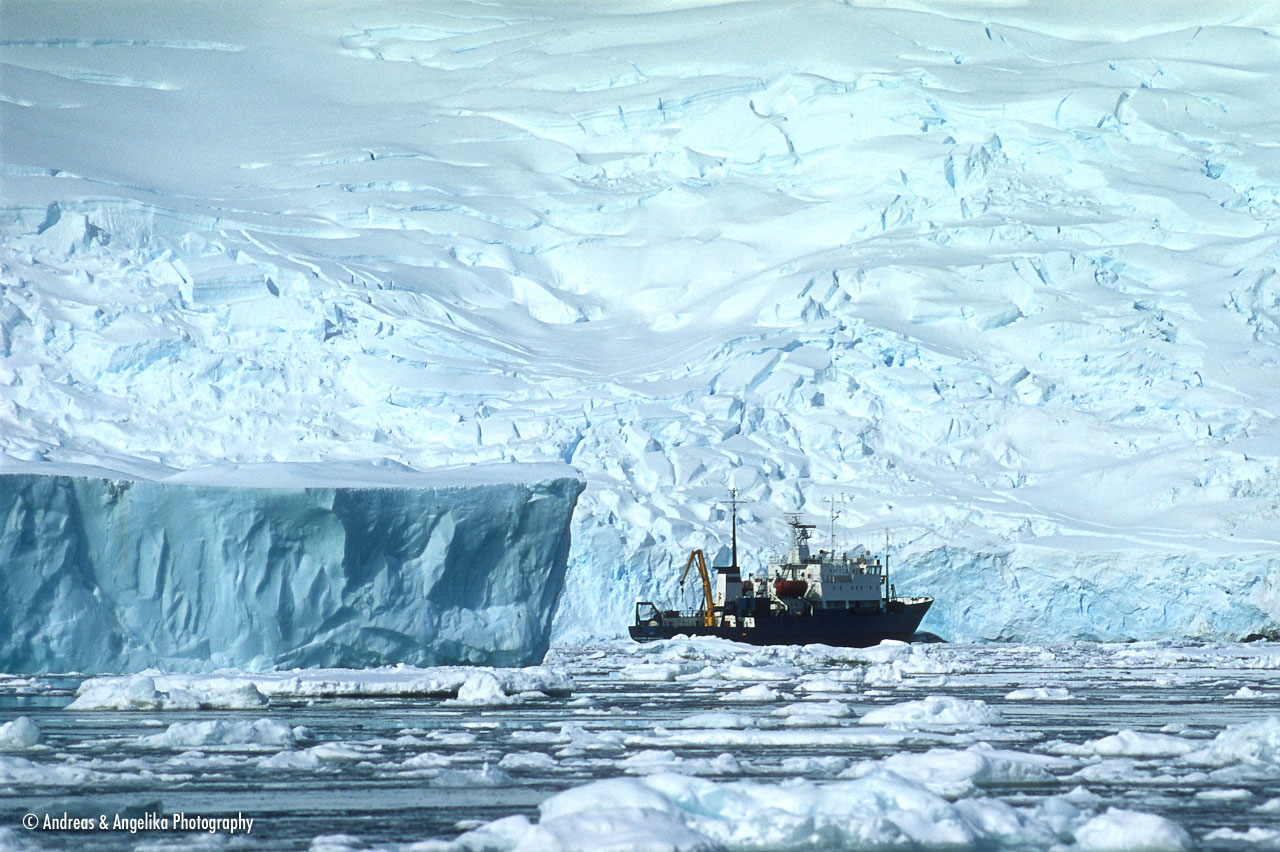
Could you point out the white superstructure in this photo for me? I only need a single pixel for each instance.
(852, 580)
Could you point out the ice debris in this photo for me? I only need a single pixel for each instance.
(934, 711)
(235, 690)
(880, 809)
(1119, 830)
(19, 734)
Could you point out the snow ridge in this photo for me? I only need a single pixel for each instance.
(1004, 281)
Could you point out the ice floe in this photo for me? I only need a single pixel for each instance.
(1039, 693)
(956, 773)
(19, 734)
(1129, 743)
(935, 711)
(1253, 742)
(234, 690)
(221, 732)
(881, 809)
(1119, 830)
(751, 694)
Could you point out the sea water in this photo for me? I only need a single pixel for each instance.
(1081, 745)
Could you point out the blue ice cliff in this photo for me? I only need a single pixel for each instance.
(280, 565)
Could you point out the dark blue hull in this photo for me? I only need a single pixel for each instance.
(842, 628)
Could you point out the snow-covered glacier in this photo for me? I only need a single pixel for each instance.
(276, 566)
(998, 278)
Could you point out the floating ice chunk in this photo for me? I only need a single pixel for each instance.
(241, 696)
(137, 693)
(619, 829)
(1246, 692)
(336, 843)
(1115, 770)
(1120, 830)
(653, 671)
(305, 760)
(1261, 838)
(825, 684)
(1228, 795)
(1082, 796)
(428, 760)
(141, 693)
(758, 673)
(672, 812)
(1012, 828)
(952, 773)
(25, 773)
(574, 738)
(812, 714)
(603, 796)
(934, 711)
(712, 719)
(21, 733)
(263, 732)
(757, 693)
(826, 765)
(1129, 743)
(702, 648)
(905, 660)
(482, 689)
(831, 709)
(526, 761)
(887, 651)
(1040, 693)
(1252, 742)
(486, 776)
(650, 760)
(236, 690)
(705, 673)
(1063, 813)
(344, 751)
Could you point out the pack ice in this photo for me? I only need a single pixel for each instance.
(1002, 277)
(266, 566)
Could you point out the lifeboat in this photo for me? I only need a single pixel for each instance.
(790, 588)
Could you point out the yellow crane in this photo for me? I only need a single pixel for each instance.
(709, 620)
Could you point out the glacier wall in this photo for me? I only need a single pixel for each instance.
(274, 566)
(1001, 278)
(1039, 593)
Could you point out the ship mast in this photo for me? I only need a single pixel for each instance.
(835, 513)
(886, 567)
(733, 503)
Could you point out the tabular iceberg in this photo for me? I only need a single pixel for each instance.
(266, 566)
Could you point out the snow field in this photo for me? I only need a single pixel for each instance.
(1004, 280)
